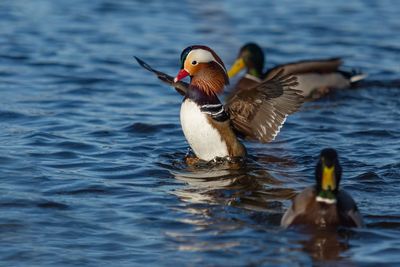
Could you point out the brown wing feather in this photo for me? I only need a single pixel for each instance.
(299, 206)
(306, 66)
(181, 87)
(259, 112)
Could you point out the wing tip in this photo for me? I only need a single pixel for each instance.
(143, 64)
(139, 60)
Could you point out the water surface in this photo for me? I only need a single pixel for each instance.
(91, 155)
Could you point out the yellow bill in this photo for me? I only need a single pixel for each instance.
(236, 67)
(328, 178)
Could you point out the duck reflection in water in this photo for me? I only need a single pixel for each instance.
(326, 245)
(240, 184)
(225, 199)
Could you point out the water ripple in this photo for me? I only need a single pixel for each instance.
(92, 152)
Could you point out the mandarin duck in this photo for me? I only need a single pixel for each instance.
(213, 130)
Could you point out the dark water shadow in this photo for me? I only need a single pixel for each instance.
(392, 84)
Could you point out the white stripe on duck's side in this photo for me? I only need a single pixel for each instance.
(202, 137)
(212, 109)
(251, 77)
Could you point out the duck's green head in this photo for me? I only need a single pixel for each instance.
(328, 174)
(250, 57)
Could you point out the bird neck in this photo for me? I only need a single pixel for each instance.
(255, 63)
(254, 72)
(326, 196)
(199, 96)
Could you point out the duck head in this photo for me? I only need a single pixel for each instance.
(328, 174)
(206, 69)
(250, 57)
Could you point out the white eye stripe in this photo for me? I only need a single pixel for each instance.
(202, 56)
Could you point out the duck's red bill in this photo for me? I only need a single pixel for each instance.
(181, 74)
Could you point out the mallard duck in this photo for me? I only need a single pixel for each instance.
(315, 77)
(213, 129)
(324, 204)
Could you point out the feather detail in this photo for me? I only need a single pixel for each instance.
(210, 78)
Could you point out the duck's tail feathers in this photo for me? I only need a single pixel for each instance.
(356, 77)
(353, 75)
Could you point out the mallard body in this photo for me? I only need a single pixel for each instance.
(324, 205)
(306, 210)
(315, 77)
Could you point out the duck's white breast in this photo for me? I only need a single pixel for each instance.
(204, 139)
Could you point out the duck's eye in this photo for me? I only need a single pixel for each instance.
(194, 62)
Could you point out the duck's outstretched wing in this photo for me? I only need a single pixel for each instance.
(307, 66)
(181, 87)
(299, 207)
(258, 113)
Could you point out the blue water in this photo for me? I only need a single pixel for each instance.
(91, 149)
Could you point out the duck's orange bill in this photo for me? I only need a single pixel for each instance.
(181, 74)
